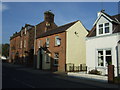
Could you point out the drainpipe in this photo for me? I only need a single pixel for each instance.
(118, 59)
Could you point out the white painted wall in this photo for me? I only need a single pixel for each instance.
(44, 64)
(101, 42)
(119, 57)
(75, 44)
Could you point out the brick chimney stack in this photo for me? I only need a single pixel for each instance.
(49, 16)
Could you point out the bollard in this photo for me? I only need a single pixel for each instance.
(110, 73)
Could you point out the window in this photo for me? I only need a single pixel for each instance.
(56, 58)
(104, 57)
(103, 29)
(47, 58)
(39, 42)
(47, 42)
(106, 27)
(100, 58)
(57, 41)
(108, 57)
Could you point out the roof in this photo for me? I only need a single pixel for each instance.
(15, 35)
(119, 41)
(59, 29)
(113, 17)
(116, 26)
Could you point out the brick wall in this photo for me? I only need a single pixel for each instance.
(53, 49)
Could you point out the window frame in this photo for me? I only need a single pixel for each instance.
(56, 59)
(47, 42)
(105, 64)
(39, 43)
(103, 29)
(47, 57)
(57, 38)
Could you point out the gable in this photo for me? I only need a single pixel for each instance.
(113, 21)
(59, 29)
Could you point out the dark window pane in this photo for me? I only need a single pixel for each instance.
(101, 25)
(109, 60)
(108, 52)
(106, 24)
(107, 30)
(100, 53)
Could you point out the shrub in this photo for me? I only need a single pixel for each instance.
(95, 71)
(117, 80)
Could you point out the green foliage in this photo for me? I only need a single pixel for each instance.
(5, 50)
(117, 80)
(95, 71)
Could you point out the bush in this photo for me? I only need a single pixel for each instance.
(117, 80)
(95, 71)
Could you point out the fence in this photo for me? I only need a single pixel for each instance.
(70, 67)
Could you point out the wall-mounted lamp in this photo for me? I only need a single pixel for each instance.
(76, 33)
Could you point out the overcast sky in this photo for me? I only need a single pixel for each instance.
(17, 14)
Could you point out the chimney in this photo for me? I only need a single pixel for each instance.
(49, 16)
(99, 13)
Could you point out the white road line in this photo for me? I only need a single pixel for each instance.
(24, 83)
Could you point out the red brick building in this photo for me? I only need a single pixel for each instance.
(22, 43)
(61, 46)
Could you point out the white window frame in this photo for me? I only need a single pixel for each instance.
(39, 43)
(56, 42)
(103, 29)
(47, 42)
(104, 56)
(47, 57)
(55, 58)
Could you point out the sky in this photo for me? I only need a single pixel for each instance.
(17, 14)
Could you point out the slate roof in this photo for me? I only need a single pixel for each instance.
(119, 41)
(116, 26)
(59, 29)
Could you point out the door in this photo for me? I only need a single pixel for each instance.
(39, 59)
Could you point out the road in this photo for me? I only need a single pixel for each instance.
(14, 76)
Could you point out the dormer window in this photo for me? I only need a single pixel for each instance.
(107, 28)
(103, 29)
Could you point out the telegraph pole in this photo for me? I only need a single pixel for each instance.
(34, 47)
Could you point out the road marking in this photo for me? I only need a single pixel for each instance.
(24, 83)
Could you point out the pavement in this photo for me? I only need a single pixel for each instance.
(72, 77)
(90, 82)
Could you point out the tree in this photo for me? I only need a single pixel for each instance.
(5, 50)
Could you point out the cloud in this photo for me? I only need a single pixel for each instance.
(3, 7)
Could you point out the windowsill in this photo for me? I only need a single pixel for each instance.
(104, 34)
(101, 67)
(56, 65)
(57, 45)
